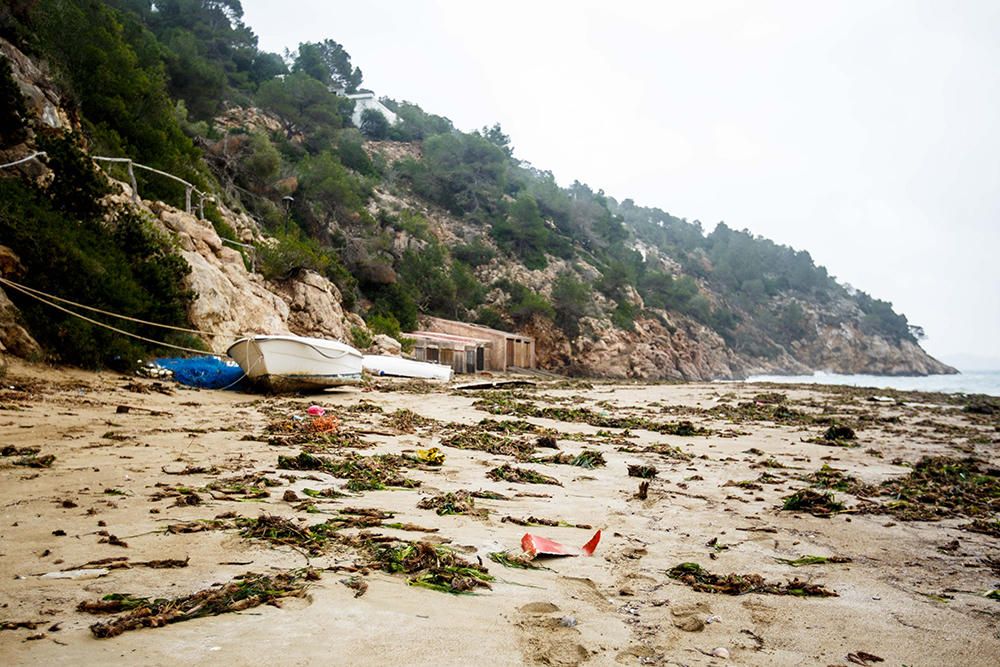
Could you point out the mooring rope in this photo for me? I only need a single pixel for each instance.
(160, 343)
(38, 292)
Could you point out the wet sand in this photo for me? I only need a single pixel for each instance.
(909, 593)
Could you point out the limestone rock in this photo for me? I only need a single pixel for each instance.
(382, 344)
(14, 338)
(314, 306)
(231, 302)
(39, 93)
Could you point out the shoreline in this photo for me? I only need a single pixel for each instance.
(912, 592)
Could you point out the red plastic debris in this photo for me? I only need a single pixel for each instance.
(535, 545)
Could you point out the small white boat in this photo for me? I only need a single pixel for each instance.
(379, 364)
(296, 363)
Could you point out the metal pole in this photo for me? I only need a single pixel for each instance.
(135, 186)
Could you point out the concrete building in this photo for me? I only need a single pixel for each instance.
(494, 350)
(463, 354)
(367, 100)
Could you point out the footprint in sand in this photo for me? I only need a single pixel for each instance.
(547, 640)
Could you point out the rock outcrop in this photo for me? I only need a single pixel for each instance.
(14, 338)
(846, 349)
(653, 352)
(231, 301)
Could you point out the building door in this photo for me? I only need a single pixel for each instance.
(509, 361)
(480, 359)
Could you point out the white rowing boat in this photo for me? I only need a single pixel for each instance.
(296, 363)
(379, 364)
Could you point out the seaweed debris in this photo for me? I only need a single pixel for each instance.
(755, 411)
(29, 457)
(939, 487)
(813, 560)
(249, 486)
(839, 432)
(836, 435)
(278, 530)
(586, 459)
(314, 434)
(363, 473)
(243, 592)
(482, 439)
(813, 502)
(985, 526)
(828, 477)
(511, 559)
(509, 473)
(429, 566)
(408, 421)
(458, 502)
(700, 579)
(534, 521)
(489, 495)
(643, 471)
(499, 403)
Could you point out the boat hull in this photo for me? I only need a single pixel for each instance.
(378, 364)
(296, 363)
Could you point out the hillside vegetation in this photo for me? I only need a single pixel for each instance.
(406, 219)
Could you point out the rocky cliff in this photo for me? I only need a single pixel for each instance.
(231, 299)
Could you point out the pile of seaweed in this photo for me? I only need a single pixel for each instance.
(506, 438)
(821, 504)
(429, 566)
(457, 502)
(940, 487)
(29, 457)
(407, 421)
(586, 459)
(501, 403)
(364, 473)
(770, 410)
(700, 579)
(314, 434)
(244, 592)
(509, 473)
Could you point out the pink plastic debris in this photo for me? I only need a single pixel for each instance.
(316, 411)
(535, 545)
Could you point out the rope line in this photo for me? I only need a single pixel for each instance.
(108, 326)
(25, 288)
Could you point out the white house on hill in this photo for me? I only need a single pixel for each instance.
(366, 100)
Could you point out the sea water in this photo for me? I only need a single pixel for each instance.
(972, 382)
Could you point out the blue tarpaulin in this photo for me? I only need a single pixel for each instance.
(203, 372)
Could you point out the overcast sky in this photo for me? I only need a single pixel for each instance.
(864, 132)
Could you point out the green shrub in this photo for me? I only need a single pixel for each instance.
(374, 124)
(528, 305)
(288, 253)
(571, 300)
(415, 224)
(125, 266)
(352, 154)
(475, 253)
(13, 113)
(361, 338)
(492, 318)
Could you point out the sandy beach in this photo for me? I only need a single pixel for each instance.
(138, 463)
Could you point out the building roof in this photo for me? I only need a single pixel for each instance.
(451, 338)
(431, 321)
